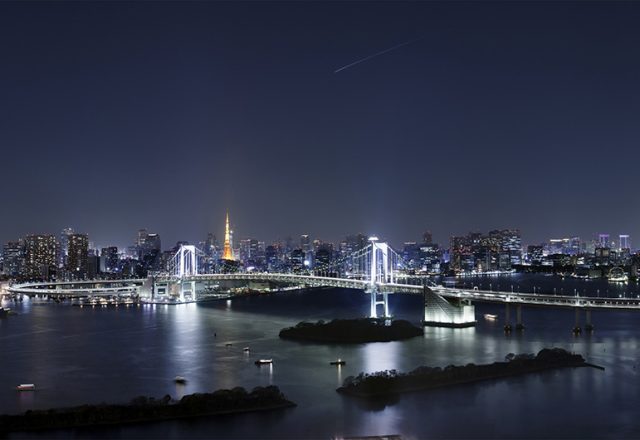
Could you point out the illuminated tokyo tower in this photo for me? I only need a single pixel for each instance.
(228, 250)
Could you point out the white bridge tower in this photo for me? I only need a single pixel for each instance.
(380, 272)
(185, 265)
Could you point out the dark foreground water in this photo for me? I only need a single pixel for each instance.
(87, 355)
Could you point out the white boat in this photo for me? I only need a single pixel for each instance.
(180, 379)
(26, 387)
(245, 349)
(263, 361)
(490, 317)
(618, 279)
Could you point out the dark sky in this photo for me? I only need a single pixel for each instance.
(116, 116)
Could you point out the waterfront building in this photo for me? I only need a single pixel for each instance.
(149, 247)
(411, 255)
(93, 265)
(64, 247)
(40, 256)
(535, 254)
(77, 261)
(109, 259)
(431, 258)
(12, 258)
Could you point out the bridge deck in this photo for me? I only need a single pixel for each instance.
(529, 299)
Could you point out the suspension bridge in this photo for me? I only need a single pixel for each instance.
(376, 269)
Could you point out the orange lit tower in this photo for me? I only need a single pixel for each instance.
(228, 250)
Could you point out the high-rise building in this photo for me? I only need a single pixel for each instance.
(535, 254)
(625, 242)
(109, 259)
(297, 260)
(64, 247)
(411, 254)
(77, 262)
(211, 246)
(324, 256)
(142, 237)
(305, 243)
(427, 237)
(227, 253)
(40, 256)
(153, 243)
(603, 240)
(13, 256)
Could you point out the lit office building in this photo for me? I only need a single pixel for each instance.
(77, 260)
(40, 253)
(109, 259)
(12, 258)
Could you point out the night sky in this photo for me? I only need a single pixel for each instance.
(117, 116)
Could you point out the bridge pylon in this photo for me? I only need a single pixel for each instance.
(380, 272)
(378, 298)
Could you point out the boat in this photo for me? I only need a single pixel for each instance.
(180, 380)
(26, 387)
(245, 349)
(490, 317)
(338, 362)
(228, 344)
(263, 361)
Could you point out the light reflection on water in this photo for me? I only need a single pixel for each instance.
(85, 355)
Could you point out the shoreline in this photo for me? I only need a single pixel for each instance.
(156, 420)
(351, 331)
(109, 415)
(382, 384)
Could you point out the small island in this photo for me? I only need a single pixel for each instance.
(388, 383)
(147, 409)
(352, 331)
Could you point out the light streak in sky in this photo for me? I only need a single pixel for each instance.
(362, 60)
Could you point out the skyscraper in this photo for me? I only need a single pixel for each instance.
(110, 260)
(625, 243)
(64, 247)
(77, 262)
(305, 243)
(12, 255)
(603, 240)
(40, 256)
(228, 249)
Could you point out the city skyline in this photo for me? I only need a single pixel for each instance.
(496, 116)
(229, 230)
(122, 243)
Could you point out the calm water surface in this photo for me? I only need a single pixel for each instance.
(87, 355)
